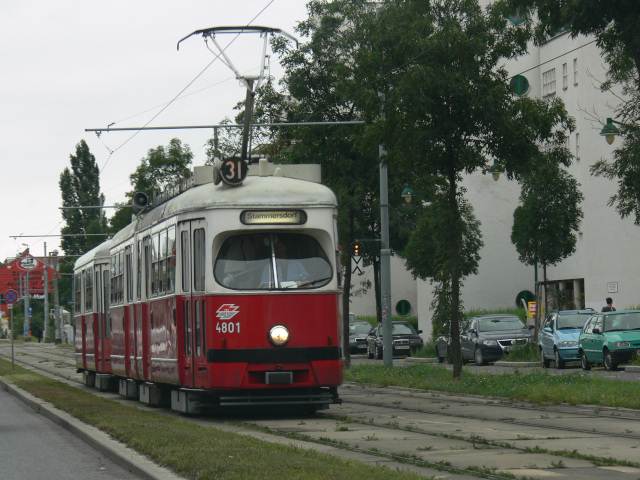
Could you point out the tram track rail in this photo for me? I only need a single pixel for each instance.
(373, 421)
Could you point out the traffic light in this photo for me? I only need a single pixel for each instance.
(356, 249)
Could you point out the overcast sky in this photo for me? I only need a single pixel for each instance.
(72, 65)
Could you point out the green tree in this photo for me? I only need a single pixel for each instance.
(160, 169)
(548, 217)
(429, 255)
(448, 110)
(80, 187)
(320, 85)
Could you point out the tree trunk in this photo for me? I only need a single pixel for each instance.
(456, 353)
(376, 287)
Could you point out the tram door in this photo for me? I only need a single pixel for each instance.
(193, 253)
(102, 332)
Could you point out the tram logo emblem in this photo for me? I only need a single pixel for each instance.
(227, 311)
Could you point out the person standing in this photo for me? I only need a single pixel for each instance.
(609, 306)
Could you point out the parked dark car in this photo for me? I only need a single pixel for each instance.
(443, 342)
(558, 337)
(609, 338)
(358, 331)
(405, 340)
(490, 337)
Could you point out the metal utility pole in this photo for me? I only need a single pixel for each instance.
(56, 299)
(45, 333)
(385, 251)
(385, 263)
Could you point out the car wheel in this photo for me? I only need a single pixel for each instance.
(584, 362)
(378, 353)
(559, 360)
(480, 360)
(369, 353)
(608, 362)
(544, 361)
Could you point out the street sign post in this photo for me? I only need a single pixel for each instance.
(11, 297)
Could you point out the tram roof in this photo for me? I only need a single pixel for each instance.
(96, 253)
(270, 190)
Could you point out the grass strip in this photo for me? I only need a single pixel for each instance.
(537, 386)
(190, 450)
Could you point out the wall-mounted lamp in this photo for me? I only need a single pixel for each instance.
(609, 131)
(407, 193)
(496, 170)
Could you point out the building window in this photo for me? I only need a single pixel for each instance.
(549, 82)
(565, 76)
(575, 71)
(577, 147)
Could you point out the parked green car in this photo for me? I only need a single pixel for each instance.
(609, 338)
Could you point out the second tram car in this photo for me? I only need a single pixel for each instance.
(219, 296)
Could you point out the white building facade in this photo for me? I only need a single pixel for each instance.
(606, 260)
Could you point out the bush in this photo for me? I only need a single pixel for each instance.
(523, 353)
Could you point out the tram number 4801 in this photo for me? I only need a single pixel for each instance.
(228, 327)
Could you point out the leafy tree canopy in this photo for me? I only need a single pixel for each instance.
(161, 168)
(434, 87)
(80, 187)
(548, 217)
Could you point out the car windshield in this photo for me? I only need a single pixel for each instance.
(622, 321)
(572, 320)
(402, 329)
(495, 324)
(359, 328)
(270, 261)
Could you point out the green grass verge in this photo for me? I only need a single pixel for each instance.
(537, 386)
(191, 450)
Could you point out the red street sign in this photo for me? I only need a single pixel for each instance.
(11, 296)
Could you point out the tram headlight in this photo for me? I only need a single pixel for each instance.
(279, 335)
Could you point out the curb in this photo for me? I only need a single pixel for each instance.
(496, 364)
(114, 450)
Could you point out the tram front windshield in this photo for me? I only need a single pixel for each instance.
(268, 261)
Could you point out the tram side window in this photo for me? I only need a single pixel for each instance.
(171, 260)
(77, 294)
(88, 290)
(128, 274)
(117, 278)
(184, 253)
(121, 276)
(147, 267)
(107, 313)
(162, 263)
(198, 260)
(139, 271)
(272, 261)
(114, 274)
(155, 271)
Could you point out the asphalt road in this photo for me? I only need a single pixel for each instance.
(35, 448)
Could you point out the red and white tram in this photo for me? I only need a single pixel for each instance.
(220, 296)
